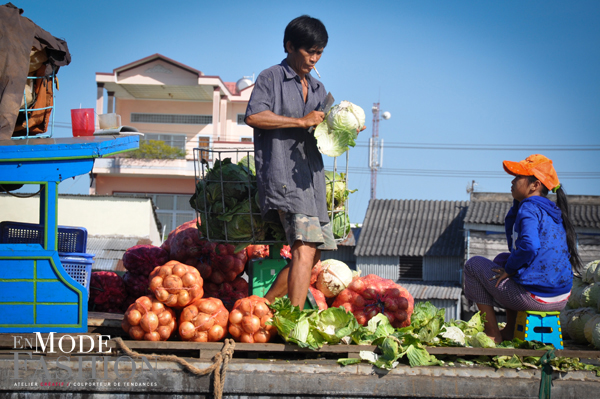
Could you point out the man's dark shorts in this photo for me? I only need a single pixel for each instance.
(299, 227)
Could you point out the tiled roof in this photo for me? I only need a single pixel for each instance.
(412, 228)
(491, 208)
(432, 290)
(109, 250)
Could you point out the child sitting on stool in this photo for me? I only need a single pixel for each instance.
(537, 274)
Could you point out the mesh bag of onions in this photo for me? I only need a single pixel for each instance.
(184, 243)
(247, 320)
(370, 295)
(227, 264)
(149, 319)
(142, 259)
(204, 320)
(229, 293)
(107, 292)
(175, 284)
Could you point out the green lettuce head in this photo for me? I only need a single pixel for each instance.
(339, 129)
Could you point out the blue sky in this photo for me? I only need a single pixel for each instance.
(455, 75)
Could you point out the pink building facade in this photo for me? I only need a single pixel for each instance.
(176, 104)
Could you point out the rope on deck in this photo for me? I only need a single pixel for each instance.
(219, 366)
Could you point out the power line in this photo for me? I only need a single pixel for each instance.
(463, 173)
(486, 147)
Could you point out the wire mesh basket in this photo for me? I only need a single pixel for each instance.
(226, 201)
(26, 111)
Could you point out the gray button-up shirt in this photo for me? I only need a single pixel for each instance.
(289, 166)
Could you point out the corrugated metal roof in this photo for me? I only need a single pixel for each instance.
(432, 290)
(412, 228)
(491, 208)
(109, 250)
(350, 241)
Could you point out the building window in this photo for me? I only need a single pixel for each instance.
(240, 119)
(172, 210)
(171, 119)
(173, 140)
(204, 144)
(411, 268)
(246, 139)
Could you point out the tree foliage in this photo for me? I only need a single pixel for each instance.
(156, 149)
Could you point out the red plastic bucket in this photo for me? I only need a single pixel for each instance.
(83, 122)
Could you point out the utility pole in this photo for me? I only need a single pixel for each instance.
(376, 148)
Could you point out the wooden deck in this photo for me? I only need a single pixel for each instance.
(110, 324)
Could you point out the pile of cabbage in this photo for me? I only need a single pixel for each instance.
(340, 128)
(226, 200)
(315, 328)
(580, 319)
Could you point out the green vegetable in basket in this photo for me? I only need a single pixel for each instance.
(226, 200)
(336, 182)
(340, 224)
(248, 162)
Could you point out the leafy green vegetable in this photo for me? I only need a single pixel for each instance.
(336, 325)
(336, 182)
(378, 327)
(426, 321)
(311, 329)
(453, 334)
(248, 162)
(226, 200)
(481, 340)
(339, 129)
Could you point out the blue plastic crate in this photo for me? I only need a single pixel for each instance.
(70, 239)
(79, 267)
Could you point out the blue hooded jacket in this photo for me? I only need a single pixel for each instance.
(537, 241)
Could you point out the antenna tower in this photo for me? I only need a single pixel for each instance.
(375, 151)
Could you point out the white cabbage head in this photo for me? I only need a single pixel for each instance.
(340, 128)
(334, 277)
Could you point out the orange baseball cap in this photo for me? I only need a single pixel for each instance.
(534, 165)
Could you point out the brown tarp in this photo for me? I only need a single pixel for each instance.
(18, 35)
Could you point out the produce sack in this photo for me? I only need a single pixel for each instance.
(175, 284)
(370, 295)
(314, 274)
(262, 251)
(319, 298)
(136, 284)
(257, 251)
(227, 264)
(149, 319)
(203, 261)
(184, 243)
(107, 292)
(247, 320)
(228, 293)
(204, 320)
(127, 302)
(333, 277)
(142, 259)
